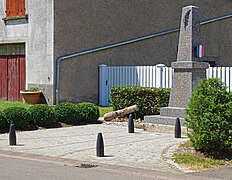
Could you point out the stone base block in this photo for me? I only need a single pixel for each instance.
(172, 112)
(157, 119)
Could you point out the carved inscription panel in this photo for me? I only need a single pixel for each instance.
(185, 42)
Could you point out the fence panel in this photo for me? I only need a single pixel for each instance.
(158, 76)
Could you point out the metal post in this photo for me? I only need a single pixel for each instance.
(100, 145)
(12, 135)
(131, 124)
(177, 128)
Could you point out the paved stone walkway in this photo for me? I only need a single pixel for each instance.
(141, 149)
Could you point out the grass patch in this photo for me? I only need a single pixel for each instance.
(187, 144)
(188, 157)
(195, 162)
(104, 110)
(7, 104)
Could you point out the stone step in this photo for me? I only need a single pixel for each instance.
(172, 112)
(157, 119)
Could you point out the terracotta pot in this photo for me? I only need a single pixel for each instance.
(31, 97)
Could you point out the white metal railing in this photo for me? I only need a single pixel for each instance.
(158, 76)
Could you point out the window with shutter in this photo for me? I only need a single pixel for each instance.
(15, 8)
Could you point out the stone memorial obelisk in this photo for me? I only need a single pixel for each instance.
(188, 69)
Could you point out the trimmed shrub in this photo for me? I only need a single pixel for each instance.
(18, 116)
(209, 116)
(42, 114)
(88, 112)
(2, 120)
(149, 100)
(67, 112)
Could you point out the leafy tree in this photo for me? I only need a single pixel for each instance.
(209, 116)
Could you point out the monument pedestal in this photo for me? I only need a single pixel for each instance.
(187, 74)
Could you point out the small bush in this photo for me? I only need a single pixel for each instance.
(67, 112)
(2, 120)
(33, 89)
(18, 116)
(209, 115)
(88, 112)
(42, 114)
(149, 100)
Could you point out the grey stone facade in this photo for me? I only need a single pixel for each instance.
(99, 23)
(56, 28)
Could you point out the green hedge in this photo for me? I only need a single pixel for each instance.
(42, 114)
(88, 112)
(209, 115)
(149, 100)
(77, 113)
(67, 112)
(18, 116)
(2, 120)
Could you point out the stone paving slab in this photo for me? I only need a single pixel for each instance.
(141, 149)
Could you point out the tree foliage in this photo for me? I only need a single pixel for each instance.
(209, 116)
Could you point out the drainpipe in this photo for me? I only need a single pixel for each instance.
(61, 58)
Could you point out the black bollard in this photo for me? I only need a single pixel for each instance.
(177, 128)
(12, 135)
(100, 145)
(131, 124)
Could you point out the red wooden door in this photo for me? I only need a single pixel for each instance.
(3, 77)
(22, 73)
(12, 77)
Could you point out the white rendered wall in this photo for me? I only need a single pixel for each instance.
(37, 34)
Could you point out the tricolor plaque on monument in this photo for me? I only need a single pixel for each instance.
(200, 51)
